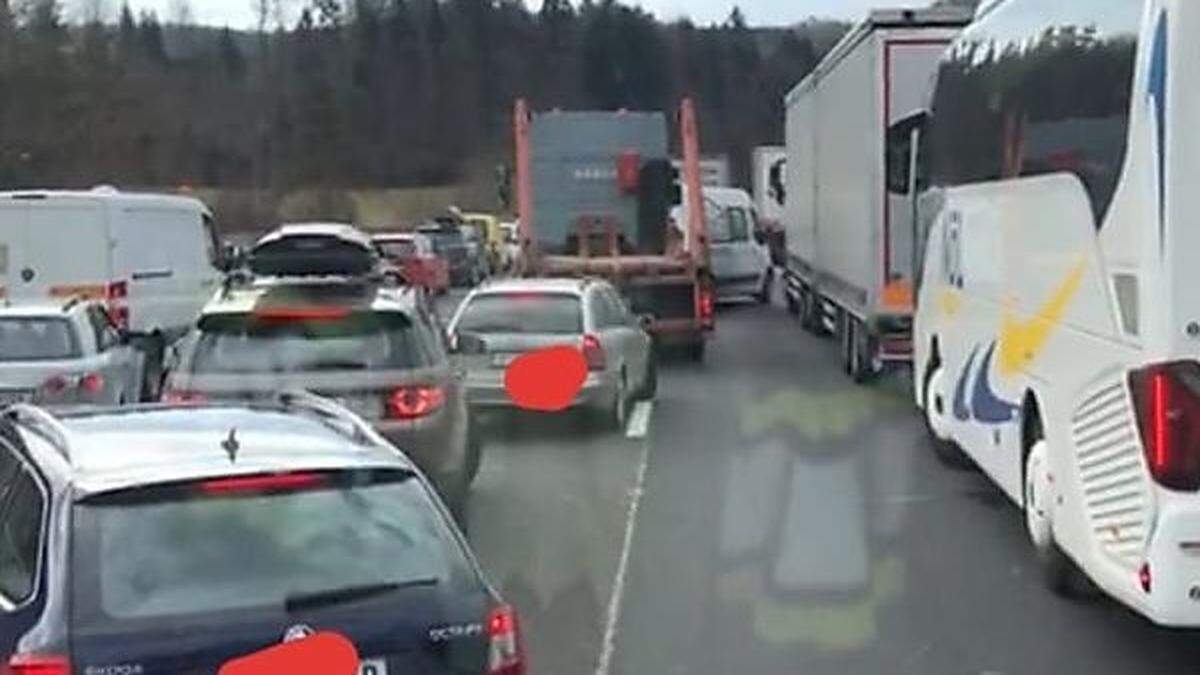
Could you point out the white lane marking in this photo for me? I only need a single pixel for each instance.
(613, 616)
(639, 421)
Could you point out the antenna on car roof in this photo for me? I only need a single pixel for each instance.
(231, 445)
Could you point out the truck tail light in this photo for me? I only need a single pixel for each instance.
(39, 664)
(706, 306)
(593, 353)
(1166, 398)
(410, 403)
(116, 296)
(506, 655)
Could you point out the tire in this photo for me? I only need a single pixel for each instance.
(474, 456)
(810, 312)
(764, 294)
(1058, 572)
(617, 414)
(845, 339)
(947, 451)
(650, 382)
(153, 348)
(863, 368)
(793, 305)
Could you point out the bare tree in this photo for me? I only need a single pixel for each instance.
(180, 13)
(93, 11)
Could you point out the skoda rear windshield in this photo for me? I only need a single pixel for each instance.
(523, 313)
(227, 547)
(37, 339)
(299, 340)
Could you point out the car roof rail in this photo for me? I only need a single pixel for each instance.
(44, 424)
(301, 399)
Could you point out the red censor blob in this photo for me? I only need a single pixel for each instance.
(321, 654)
(546, 380)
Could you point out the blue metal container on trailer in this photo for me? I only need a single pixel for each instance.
(576, 158)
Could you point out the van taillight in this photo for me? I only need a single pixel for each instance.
(116, 296)
(506, 655)
(39, 664)
(1167, 400)
(593, 353)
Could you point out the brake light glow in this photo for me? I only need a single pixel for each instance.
(39, 664)
(298, 314)
(92, 383)
(1166, 398)
(263, 483)
(506, 654)
(705, 306)
(116, 296)
(182, 397)
(410, 403)
(593, 353)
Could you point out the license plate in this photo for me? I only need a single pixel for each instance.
(11, 397)
(503, 360)
(372, 667)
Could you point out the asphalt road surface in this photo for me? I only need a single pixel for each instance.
(776, 519)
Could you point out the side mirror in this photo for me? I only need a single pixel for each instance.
(467, 344)
(229, 258)
(646, 321)
(124, 337)
(760, 236)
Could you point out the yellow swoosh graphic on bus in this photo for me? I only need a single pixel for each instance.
(1022, 341)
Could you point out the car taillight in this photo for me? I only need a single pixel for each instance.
(182, 397)
(593, 353)
(705, 306)
(39, 664)
(57, 385)
(92, 383)
(116, 297)
(410, 403)
(1167, 400)
(506, 655)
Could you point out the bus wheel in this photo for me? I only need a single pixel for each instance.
(946, 450)
(1057, 570)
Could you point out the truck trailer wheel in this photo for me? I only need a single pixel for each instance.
(864, 366)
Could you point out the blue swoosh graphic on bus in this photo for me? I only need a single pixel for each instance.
(961, 411)
(1158, 97)
(985, 404)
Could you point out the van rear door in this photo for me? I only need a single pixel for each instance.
(62, 247)
(162, 252)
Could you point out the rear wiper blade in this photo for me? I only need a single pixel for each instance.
(350, 594)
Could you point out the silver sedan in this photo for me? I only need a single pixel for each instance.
(500, 321)
(68, 353)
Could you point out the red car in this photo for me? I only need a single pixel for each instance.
(414, 256)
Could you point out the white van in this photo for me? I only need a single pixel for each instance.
(741, 259)
(1058, 321)
(152, 258)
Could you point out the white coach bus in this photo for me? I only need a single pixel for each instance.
(1057, 336)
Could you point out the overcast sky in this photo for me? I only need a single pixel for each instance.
(237, 13)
